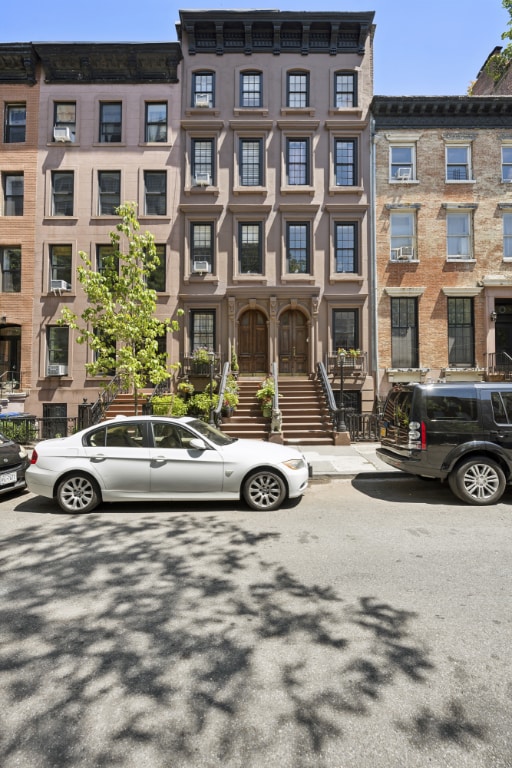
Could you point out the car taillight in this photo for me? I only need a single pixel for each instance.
(33, 458)
(423, 436)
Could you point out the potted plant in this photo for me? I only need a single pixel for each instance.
(186, 389)
(265, 395)
(201, 360)
(230, 399)
(234, 362)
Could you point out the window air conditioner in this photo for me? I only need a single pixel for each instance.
(55, 369)
(202, 100)
(405, 253)
(201, 266)
(62, 134)
(60, 285)
(202, 179)
(403, 174)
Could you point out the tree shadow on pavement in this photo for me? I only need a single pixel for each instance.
(172, 640)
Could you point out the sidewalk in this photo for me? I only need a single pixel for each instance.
(345, 461)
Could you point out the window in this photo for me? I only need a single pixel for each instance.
(345, 329)
(11, 268)
(55, 420)
(203, 89)
(60, 267)
(251, 153)
(345, 243)
(507, 235)
(202, 161)
(156, 278)
(13, 184)
(64, 121)
(110, 122)
(297, 90)
(57, 341)
(345, 165)
(155, 193)
(15, 123)
(403, 236)
(202, 329)
(297, 247)
(109, 192)
(458, 164)
(250, 89)
(404, 332)
(345, 90)
(297, 162)
(458, 236)
(250, 248)
(62, 193)
(461, 332)
(106, 261)
(506, 164)
(402, 163)
(201, 244)
(156, 122)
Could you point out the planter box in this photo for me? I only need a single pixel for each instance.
(462, 375)
(397, 376)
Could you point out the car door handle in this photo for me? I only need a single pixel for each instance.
(98, 457)
(159, 459)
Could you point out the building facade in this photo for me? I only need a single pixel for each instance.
(275, 192)
(443, 233)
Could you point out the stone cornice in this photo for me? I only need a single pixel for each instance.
(276, 32)
(406, 112)
(109, 62)
(17, 63)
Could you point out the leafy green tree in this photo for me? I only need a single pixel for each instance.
(119, 323)
(499, 62)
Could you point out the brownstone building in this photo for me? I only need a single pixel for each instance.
(443, 233)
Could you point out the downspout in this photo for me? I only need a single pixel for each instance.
(372, 277)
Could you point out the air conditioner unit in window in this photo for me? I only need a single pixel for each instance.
(55, 369)
(202, 100)
(202, 179)
(60, 285)
(201, 266)
(405, 253)
(62, 134)
(404, 174)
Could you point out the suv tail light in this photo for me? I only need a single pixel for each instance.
(423, 436)
(33, 458)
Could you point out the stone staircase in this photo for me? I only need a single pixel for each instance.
(305, 417)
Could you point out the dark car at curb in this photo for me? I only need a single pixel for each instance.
(460, 432)
(14, 461)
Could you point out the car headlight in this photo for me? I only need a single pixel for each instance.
(294, 463)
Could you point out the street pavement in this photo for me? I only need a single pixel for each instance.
(346, 461)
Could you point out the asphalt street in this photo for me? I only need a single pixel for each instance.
(368, 625)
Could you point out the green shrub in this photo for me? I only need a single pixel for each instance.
(169, 405)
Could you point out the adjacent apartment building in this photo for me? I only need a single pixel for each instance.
(443, 233)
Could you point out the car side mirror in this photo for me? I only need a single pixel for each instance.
(198, 444)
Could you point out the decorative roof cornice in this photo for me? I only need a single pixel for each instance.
(264, 31)
(17, 63)
(109, 62)
(408, 112)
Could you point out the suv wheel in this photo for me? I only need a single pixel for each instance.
(478, 480)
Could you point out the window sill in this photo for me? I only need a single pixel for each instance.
(258, 279)
(164, 218)
(110, 217)
(299, 277)
(202, 191)
(298, 190)
(308, 111)
(240, 111)
(345, 277)
(403, 181)
(62, 219)
(109, 144)
(457, 260)
(257, 190)
(197, 111)
(62, 144)
(155, 144)
(339, 190)
(460, 181)
(349, 111)
(404, 261)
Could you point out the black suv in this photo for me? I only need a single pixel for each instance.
(461, 432)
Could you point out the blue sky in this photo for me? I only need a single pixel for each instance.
(421, 48)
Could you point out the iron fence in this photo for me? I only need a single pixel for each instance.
(28, 429)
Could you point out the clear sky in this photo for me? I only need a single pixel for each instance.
(429, 48)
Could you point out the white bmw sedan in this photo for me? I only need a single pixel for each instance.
(152, 458)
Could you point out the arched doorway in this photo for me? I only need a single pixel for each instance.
(293, 343)
(253, 343)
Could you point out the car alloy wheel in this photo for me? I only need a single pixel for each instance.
(78, 493)
(264, 490)
(478, 480)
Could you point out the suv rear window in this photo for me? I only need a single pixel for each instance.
(439, 407)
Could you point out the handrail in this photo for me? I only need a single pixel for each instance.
(334, 412)
(276, 423)
(113, 388)
(226, 369)
(275, 398)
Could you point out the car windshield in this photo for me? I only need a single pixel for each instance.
(211, 433)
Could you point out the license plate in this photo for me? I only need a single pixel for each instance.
(7, 478)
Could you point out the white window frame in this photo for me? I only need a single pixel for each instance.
(402, 172)
(507, 236)
(467, 164)
(465, 237)
(403, 244)
(506, 164)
